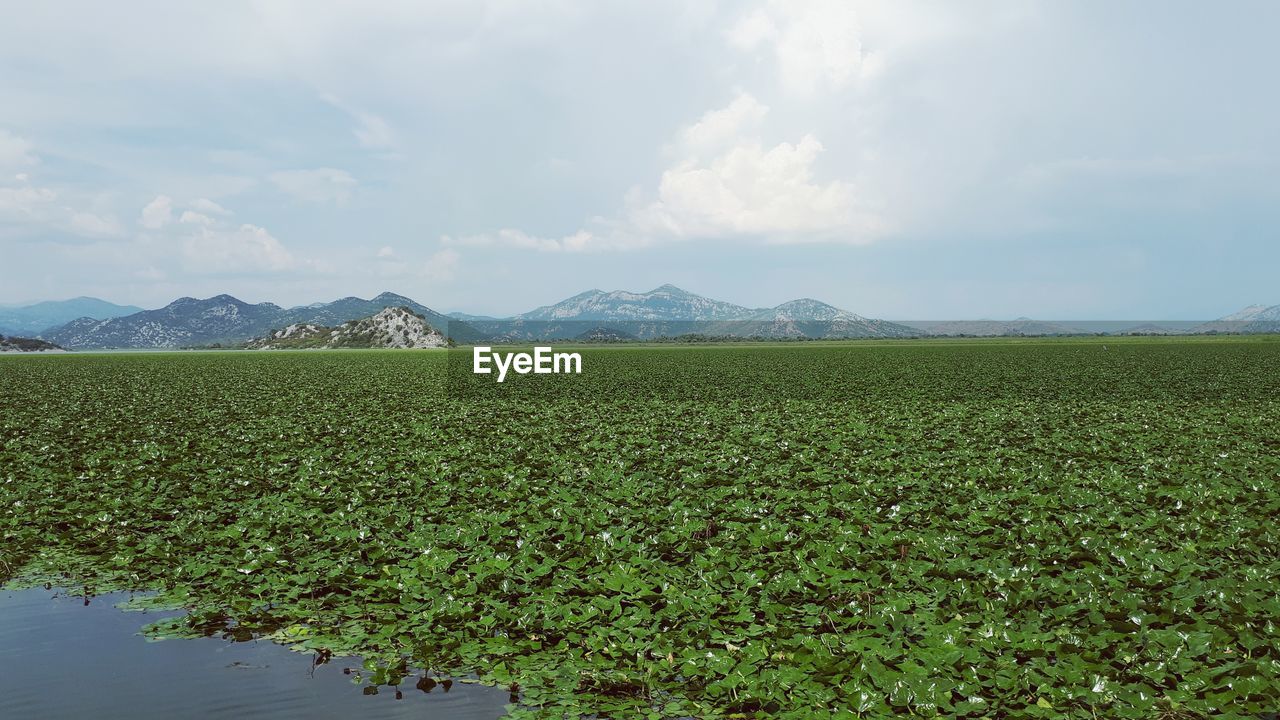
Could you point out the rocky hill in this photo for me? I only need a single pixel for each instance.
(394, 327)
(20, 344)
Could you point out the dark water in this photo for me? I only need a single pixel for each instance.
(62, 659)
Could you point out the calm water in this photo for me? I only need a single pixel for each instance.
(62, 659)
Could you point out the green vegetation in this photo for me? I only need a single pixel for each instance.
(974, 529)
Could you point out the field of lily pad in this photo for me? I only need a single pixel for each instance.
(1072, 528)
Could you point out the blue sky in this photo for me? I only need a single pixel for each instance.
(907, 160)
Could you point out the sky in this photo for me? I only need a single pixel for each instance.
(1081, 159)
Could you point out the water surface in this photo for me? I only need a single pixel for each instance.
(62, 659)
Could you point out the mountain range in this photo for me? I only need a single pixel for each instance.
(42, 316)
(993, 328)
(668, 311)
(665, 311)
(226, 320)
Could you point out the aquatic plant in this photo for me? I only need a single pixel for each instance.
(960, 529)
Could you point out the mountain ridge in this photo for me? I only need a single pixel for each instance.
(665, 302)
(36, 318)
(665, 311)
(225, 319)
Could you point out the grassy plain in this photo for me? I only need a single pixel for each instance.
(1056, 528)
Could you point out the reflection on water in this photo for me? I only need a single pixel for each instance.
(60, 658)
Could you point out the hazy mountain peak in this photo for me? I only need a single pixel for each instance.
(1254, 312)
(808, 309)
(666, 302)
(669, 289)
(34, 319)
(804, 303)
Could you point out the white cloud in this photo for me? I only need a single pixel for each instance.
(150, 273)
(726, 183)
(386, 251)
(248, 248)
(716, 128)
(190, 217)
(208, 207)
(729, 182)
(321, 185)
(518, 239)
(93, 225)
(157, 213)
(371, 131)
(816, 43)
(442, 265)
(751, 190)
(24, 202)
(15, 152)
(45, 209)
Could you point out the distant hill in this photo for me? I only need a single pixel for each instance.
(394, 327)
(185, 321)
(1253, 319)
(1150, 329)
(992, 328)
(223, 319)
(21, 344)
(667, 302)
(668, 311)
(1253, 312)
(352, 308)
(35, 319)
(808, 318)
(466, 317)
